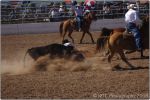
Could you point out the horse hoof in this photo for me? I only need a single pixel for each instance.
(144, 57)
(117, 68)
(125, 52)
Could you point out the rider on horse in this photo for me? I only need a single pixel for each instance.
(79, 15)
(132, 20)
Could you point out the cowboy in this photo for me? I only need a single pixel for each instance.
(79, 14)
(132, 21)
(66, 42)
(69, 46)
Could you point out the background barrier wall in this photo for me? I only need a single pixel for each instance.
(49, 27)
(33, 17)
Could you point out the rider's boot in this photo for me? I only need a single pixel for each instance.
(141, 52)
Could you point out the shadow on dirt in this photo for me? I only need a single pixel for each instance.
(119, 68)
(145, 57)
(87, 43)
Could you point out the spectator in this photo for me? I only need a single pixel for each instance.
(90, 5)
(72, 8)
(106, 9)
(53, 12)
(71, 11)
(87, 6)
(61, 10)
(43, 8)
(74, 3)
(82, 4)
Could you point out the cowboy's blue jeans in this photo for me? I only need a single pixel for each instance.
(136, 33)
(78, 21)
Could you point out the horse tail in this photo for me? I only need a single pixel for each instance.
(108, 40)
(25, 57)
(103, 40)
(61, 28)
(100, 45)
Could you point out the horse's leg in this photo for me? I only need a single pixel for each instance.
(83, 34)
(64, 33)
(129, 51)
(91, 36)
(106, 52)
(110, 56)
(69, 35)
(124, 58)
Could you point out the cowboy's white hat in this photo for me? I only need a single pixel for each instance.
(131, 6)
(78, 4)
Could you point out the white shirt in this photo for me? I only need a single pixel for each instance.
(61, 10)
(53, 13)
(68, 44)
(131, 16)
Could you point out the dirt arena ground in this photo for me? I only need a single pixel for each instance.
(92, 79)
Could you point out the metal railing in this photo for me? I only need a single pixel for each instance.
(41, 14)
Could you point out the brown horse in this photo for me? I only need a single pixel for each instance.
(69, 25)
(117, 41)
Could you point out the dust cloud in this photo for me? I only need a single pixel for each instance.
(19, 66)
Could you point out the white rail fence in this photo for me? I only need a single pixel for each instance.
(44, 14)
(39, 19)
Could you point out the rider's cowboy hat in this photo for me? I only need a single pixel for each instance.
(78, 4)
(132, 6)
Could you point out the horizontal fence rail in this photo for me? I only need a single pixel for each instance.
(27, 14)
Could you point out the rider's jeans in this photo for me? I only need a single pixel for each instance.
(136, 33)
(79, 21)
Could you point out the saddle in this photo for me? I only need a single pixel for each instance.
(76, 23)
(127, 34)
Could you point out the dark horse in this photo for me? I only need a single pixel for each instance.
(117, 41)
(69, 25)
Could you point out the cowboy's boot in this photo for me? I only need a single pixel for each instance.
(142, 56)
